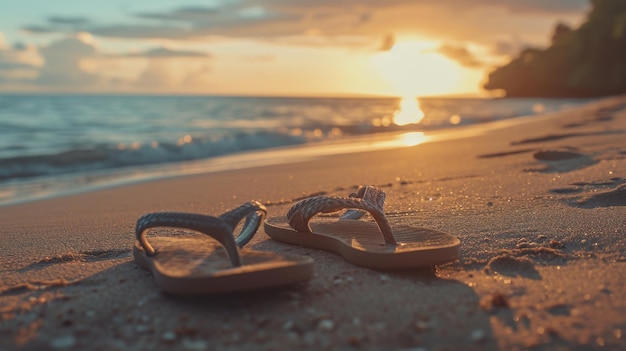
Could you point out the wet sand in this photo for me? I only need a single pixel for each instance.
(538, 206)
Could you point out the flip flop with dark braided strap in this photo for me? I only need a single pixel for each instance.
(192, 265)
(369, 244)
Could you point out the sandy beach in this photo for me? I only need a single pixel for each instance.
(538, 205)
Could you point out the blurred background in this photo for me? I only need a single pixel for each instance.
(114, 88)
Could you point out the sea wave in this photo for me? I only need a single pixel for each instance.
(61, 135)
(187, 148)
(115, 156)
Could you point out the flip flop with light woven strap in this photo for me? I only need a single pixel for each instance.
(191, 265)
(358, 241)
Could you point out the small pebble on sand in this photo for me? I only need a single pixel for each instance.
(326, 325)
(478, 335)
(63, 342)
(168, 336)
(288, 325)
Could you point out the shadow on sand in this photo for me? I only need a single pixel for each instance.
(342, 307)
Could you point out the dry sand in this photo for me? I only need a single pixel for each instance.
(539, 207)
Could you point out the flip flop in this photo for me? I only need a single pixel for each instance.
(188, 265)
(359, 242)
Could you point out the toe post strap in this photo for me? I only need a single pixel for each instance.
(254, 213)
(368, 198)
(220, 228)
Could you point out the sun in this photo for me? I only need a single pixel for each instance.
(414, 68)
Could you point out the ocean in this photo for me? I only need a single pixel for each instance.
(58, 144)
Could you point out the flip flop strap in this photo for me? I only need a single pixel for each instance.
(220, 228)
(254, 213)
(369, 199)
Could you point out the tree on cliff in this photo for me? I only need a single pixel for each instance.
(586, 62)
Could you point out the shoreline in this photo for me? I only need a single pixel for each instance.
(26, 190)
(538, 207)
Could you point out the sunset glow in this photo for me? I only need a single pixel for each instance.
(414, 69)
(277, 48)
(409, 111)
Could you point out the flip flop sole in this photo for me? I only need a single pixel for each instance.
(191, 266)
(361, 243)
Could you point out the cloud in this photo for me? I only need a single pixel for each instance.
(62, 63)
(141, 31)
(40, 29)
(71, 21)
(229, 15)
(7, 65)
(460, 54)
(157, 74)
(184, 14)
(526, 6)
(76, 62)
(183, 76)
(539, 6)
(168, 53)
(297, 21)
(184, 23)
(59, 24)
(371, 25)
(198, 78)
(239, 21)
(19, 62)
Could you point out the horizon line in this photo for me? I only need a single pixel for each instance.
(244, 95)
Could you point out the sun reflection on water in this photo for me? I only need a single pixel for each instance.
(408, 112)
(412, 139)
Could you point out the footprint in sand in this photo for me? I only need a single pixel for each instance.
(512, 266)
(614, 193)
(555, 161)
(615, 197)
(568, 190)
(560, 161)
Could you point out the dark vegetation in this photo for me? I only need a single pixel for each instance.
(586, 62)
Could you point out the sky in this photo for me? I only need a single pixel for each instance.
(269, 48)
